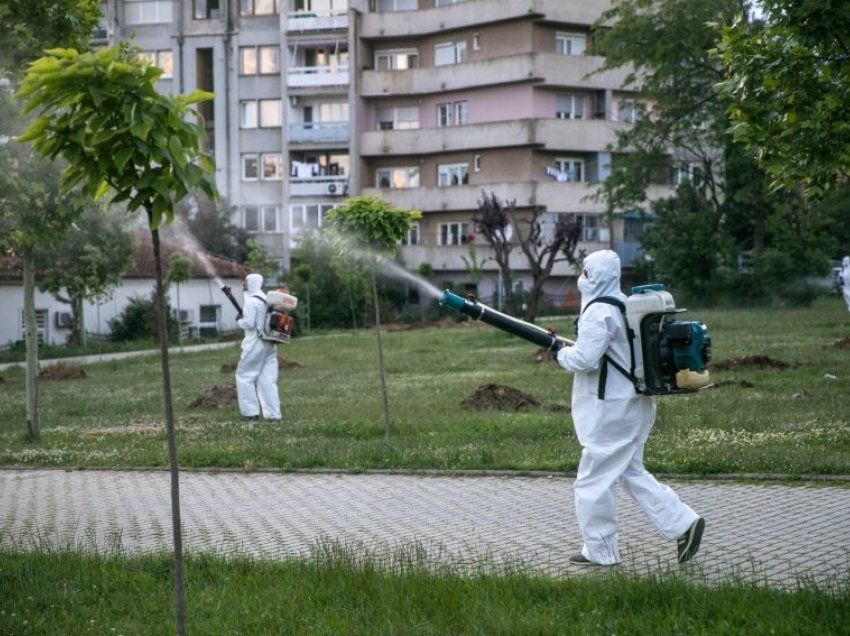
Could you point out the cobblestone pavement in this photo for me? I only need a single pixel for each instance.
(775, 535)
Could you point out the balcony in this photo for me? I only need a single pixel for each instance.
(545, 68)
(312, 77)
(556, 134)
(313, 21)
(455, 198)
(319, 132)
(318, 186)
(478, 12)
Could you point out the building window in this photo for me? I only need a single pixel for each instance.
(251, 218)
(271, 114)
(397, 178)
(452, 114)
(396, 60)
(398, 118)
(450, 53)
(41, 325)
(147, 11)
(454, 234)
(308, 216)
(684, 172)
(589, 226)
(272, 167)
(629, 111)
(452, 174)
(207, 9)
(208, 314)
(570, 43)
(250, 167)
(569, 169)
(163, 60)
(445, 3)
(269, 214)
(248, 8)
(397, 5)
(259, 60)
(476, 41)
(248, 114)
(476, 163)
(412, 236)
(570, 106)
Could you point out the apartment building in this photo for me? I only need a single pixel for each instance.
(426, 103)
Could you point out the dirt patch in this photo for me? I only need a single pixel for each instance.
(497, 396)
(844, 343)
(218, 397)
(282, 364)
(749, 362)
(61, 372)
(2, 380)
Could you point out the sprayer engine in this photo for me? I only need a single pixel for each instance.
(277, 325)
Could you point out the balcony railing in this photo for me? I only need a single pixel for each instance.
(315, 76)
(318, 131)
(310, 21)
(318, 186)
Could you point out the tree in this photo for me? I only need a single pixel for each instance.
(788, 79)
(375, 228)
(208, 221)
(493, 219)
(86, 264)
(102, 113)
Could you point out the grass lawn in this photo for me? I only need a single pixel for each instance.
(790, 421)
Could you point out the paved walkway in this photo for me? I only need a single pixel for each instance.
(775, 535)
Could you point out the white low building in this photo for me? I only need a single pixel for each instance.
(203, 307)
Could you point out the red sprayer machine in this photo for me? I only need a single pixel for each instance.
(277, 324)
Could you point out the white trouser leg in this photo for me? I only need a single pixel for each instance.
(267, 385)
(247, 373)
(662, 505)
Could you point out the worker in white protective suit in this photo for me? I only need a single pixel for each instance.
(613, 430)
(845, 280)
(256, 374)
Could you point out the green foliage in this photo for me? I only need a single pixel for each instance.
(179, 268)
(371, 222)
(259, 261)
(208, 221)
(102, 113)
(138, 320)
(788, 79)
(30, 26)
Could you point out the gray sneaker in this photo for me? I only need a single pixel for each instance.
(688, 544)
(580, 559)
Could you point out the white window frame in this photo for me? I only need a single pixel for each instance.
(412, 236)
(452, 114)
(630, 111)
(590, 224)
(576, 101)
(570, 43)
(398, 118)
(162, 59)
(456, 53)
(573, 167)
(397, 178)
(449, 172)
(268, 217)
(476, 163)
(248, 8)
(685, 172)
(476, 41)
(394, 56)
(454, 233)
(248, 114)
(273, 160)
(247, 173)
(254, 60)
(299, 217)
(148, 11)
(264, 115)
(251, 209)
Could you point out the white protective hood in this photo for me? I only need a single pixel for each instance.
(254, 285)
(602, 270)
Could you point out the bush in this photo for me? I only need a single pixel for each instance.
(138, 320)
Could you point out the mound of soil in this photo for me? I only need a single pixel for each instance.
(218, 397)
(844, 343)
(749, 362)
(61, 372)
(282, 364)
(497, 396)
(2, 380)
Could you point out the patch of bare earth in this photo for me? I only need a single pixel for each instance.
(749, 362)
(497, 396)
(219, 396)
(61, 372)
(843, 343)
(282, 364)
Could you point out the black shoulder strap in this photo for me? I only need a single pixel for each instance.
(606, 359)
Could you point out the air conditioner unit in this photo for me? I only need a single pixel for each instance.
(332, 188)
(63, 319)
(185, 315)
(293, 100)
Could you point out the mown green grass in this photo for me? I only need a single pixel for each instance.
(791, 422)
(332, 593)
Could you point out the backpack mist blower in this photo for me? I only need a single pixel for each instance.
(668, 356)
(277, 323)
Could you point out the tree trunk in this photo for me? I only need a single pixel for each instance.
(387, 432)
(31, 344)
(79, 320)
(162, 322)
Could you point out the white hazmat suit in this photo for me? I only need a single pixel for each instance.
(612, 431)
(256, 374)
(845, 280)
